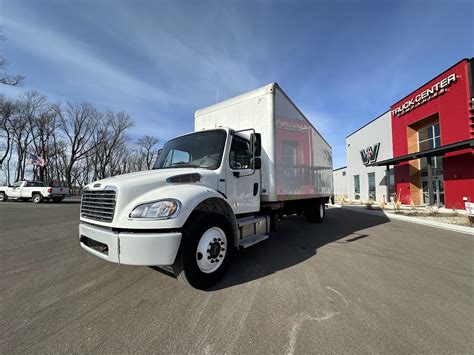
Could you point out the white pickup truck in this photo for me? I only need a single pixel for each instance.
(34, 190)
(251, 159)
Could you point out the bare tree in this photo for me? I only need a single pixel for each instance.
(148, 149)
(109, 140)
(5, 78)
(77, 122)
(78, 143)
(7, 109)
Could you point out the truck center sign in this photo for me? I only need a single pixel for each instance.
(426, 95)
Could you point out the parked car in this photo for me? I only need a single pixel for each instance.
(32, 190)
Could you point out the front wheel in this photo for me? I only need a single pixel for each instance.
(37, 198)
(206, 250)
(3, 197)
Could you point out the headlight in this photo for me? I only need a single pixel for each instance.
(156, 210)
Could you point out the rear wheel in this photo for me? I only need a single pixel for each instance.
(3, 197)
(206, 250)
(37, 198)
(315, 211)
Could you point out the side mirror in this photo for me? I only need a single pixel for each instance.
(257, 163)
(256, 143)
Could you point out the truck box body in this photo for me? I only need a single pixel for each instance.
(296, 160)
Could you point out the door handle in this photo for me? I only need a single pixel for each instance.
(255, 189)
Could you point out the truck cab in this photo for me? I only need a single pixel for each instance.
(185, 211)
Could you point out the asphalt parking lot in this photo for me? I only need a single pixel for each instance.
(354, 284)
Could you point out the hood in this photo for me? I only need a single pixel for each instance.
(131, 186)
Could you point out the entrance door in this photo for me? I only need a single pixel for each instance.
(438, 190)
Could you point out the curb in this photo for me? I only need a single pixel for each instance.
(446, 226)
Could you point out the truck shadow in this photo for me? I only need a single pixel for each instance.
(295, 242)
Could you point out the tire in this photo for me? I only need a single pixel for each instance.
(37, 198)
(3, 197)
(316, 211)
(206, 249)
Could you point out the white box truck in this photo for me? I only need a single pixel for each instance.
(251, 159)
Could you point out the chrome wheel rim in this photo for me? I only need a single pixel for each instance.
(211, 250)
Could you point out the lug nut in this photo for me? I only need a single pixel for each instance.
(215, 239)
(212, 261)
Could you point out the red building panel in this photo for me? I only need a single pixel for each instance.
(448, 96)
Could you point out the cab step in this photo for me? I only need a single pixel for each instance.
(252, 240)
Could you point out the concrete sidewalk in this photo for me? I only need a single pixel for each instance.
(412, 219)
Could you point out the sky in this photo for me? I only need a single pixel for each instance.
(343, 63)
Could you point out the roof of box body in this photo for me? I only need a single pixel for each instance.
(375, 119)
(342, 167)
(267, 89)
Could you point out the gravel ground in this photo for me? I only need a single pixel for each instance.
(460, 220)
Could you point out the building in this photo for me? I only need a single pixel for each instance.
(340, 182)
(423, 146)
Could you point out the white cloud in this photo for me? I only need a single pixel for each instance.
(76, 61)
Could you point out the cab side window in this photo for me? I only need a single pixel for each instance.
(240, 154)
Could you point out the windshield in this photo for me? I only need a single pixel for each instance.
(197, 150)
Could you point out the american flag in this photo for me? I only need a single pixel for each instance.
(35, 160)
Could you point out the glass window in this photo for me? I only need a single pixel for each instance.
(429, 137)
(177, 157)
(372, 192)
(240, 153)
(356, 187)
(198, 150)
(34, 184)
(425, 145)
(436, 166)
(423, 134)
(17, 184)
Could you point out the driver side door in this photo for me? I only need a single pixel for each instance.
(242, 181)
(15, 190)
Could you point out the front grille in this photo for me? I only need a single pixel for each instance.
(98, 205)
